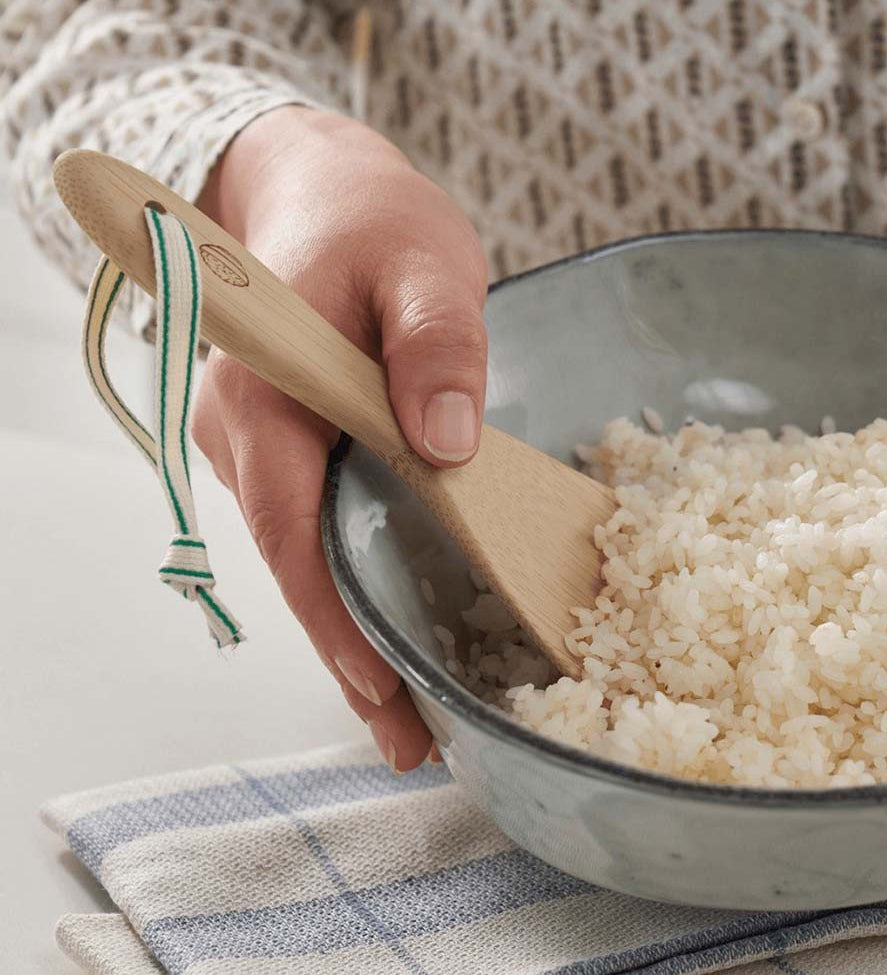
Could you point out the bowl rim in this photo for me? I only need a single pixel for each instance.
(417, 668)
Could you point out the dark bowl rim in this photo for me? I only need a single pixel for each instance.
(418, 669)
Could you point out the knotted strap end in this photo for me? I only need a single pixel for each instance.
(185, 568)
(186, 564)
(223, 627)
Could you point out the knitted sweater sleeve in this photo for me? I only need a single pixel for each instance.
(163, 84)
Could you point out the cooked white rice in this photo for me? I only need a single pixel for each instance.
(741, 635)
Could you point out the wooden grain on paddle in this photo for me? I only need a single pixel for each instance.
(525, 520)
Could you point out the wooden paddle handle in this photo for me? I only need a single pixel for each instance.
(247, 311)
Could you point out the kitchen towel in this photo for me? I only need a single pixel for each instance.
(328, 864)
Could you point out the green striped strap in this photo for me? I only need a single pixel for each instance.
(185, 566)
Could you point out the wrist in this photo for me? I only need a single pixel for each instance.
(276, 156)
(237, 178)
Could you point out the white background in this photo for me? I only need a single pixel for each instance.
(104, 674)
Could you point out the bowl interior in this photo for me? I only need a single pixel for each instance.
(739, 328)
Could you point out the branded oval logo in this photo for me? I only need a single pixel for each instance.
(224, 265)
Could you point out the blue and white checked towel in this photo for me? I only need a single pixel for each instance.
(326, 864)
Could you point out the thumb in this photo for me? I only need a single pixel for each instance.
(434, 344)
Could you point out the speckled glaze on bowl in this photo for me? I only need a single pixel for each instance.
(740, 328)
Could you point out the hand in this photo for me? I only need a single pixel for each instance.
(382, 253)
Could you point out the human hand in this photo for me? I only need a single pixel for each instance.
(340, 215)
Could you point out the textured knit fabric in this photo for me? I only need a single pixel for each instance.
(328, 864)
(556, 124)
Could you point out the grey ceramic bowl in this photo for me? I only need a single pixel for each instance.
(741, 328)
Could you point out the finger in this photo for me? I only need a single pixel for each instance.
(207, 430)
(435, 347)
(398, 730)
(371, 687)
(280, 452)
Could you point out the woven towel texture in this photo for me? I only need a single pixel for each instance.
(328, 864)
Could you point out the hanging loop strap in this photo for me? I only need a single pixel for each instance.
(185, 566)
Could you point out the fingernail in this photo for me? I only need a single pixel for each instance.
(450, 426)
(358, 679)
(385, 746)
(434, 755)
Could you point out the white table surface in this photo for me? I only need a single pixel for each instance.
(104, 674)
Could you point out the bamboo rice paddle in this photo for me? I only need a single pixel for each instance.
(524, 519)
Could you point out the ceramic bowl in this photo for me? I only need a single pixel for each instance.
(739, 328)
